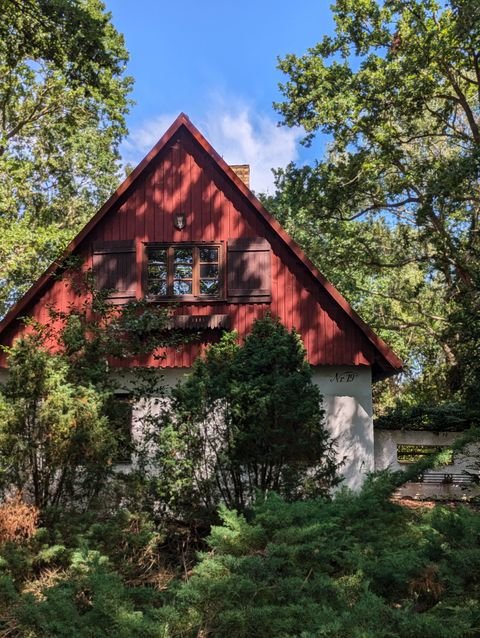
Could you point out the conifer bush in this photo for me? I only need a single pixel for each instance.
(247, 419)
(356, 567)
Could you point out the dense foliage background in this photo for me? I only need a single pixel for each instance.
(63, 101)
(391, 212)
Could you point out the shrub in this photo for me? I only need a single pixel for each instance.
(247, 419)
(55, 444)
(354, 567)
(18, 520)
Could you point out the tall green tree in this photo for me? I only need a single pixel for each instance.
(397, 89)
(63, 101)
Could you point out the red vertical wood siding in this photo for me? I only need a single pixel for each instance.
(183, 178)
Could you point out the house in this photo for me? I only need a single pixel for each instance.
(184, 227)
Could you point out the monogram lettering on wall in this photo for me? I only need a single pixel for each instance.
(344, 377)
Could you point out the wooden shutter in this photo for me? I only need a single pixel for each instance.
(114, 268)
(248, 270)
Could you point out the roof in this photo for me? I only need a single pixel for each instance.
(391, 364)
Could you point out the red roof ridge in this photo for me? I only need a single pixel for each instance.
(183, 120)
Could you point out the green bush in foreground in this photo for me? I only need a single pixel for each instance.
(83, 579)
(358, 566)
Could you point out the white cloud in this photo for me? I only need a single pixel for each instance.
(143, 137)
(243, 137)
(240, 135)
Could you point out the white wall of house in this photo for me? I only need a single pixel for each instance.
(347, 399)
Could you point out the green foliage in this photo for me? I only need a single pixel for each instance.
(58, 440)
(448, 417)
(89, 574)
(391, 212)
(247, 418)
(63, 99)
(88, 599)
(94, 332)
(54, 440)
(357, 566)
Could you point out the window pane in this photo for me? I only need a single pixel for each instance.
(209, 254)
(157, 287)
(184, 255)
(209, 270)
(182, 287)
(157, 256)
(183, 272)
(157, 270)
(209, 286)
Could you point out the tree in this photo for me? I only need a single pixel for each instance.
(397, 88)
(63, 100)
(247, 419)
(355, 256)
(55, 443)
(58, 440)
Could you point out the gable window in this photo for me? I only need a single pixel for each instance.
(181, 270)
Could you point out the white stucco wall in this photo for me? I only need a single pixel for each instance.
(347, 397)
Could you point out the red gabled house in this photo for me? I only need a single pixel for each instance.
(184, 227)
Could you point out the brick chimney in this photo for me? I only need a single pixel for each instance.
(243, 172)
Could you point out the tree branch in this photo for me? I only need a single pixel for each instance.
(465, 105)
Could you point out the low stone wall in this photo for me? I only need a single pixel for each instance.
(386, 442)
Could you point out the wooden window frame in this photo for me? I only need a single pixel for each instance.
(195, 296)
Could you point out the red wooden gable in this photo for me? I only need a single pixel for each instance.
(183, 174)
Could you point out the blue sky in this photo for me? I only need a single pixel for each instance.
(216, 61)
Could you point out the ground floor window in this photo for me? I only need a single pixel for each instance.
(120, 414)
